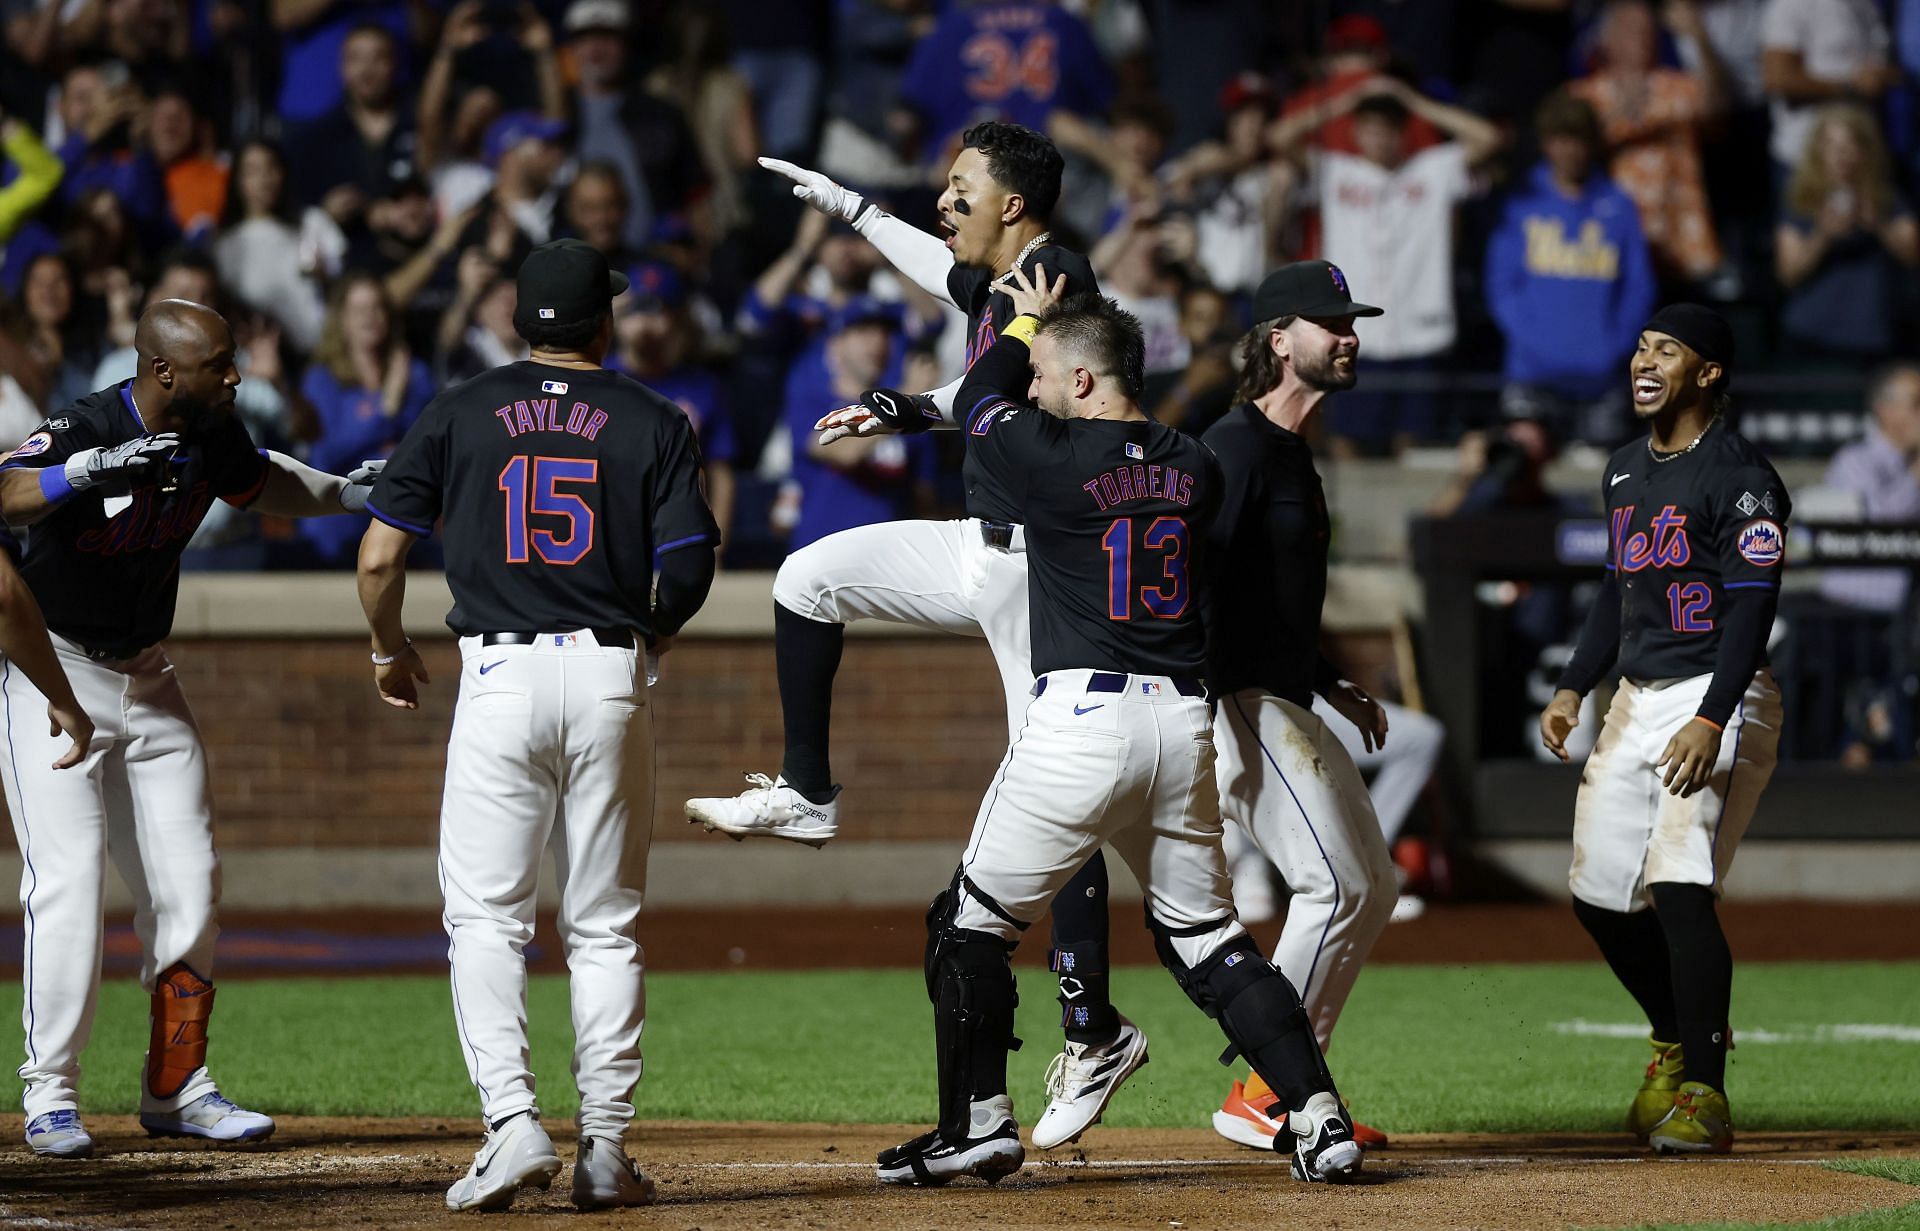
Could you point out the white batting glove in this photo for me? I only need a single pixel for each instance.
(854, 420)
(817, 190)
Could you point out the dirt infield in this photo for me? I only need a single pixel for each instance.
(329, 1173)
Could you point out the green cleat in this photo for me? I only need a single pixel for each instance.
(1657, 1089)
(1700, 1123)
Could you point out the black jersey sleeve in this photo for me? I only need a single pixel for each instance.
(681, 517)
(411, 489)
(236, 468)
(1746, 616)
(1750, 528)
(52, 443)
(963, 285)
(1007, 436)
(1599, 645)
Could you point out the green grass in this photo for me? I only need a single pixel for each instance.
(1895, 1218)
(1467, 1048)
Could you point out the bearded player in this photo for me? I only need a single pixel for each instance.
(1697, 530)
(967, 576)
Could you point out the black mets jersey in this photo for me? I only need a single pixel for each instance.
(106, 568)
(1115, 512)
(974, 288)
(1269, 550)
(1682, 533)
(557, 488)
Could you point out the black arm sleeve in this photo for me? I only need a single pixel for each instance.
(903, 412)
(1325, 675)
(1745, 621)
(680, 585)
(1000, 375)
(1599, 645)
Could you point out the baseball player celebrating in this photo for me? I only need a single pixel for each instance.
(1284, 775)
(1696, 539)
(967, 576)
(1116, 743)
(575, 524)
(113, 487)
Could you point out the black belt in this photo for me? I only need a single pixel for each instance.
(609, 638)
(998, 534)
(1113, 681)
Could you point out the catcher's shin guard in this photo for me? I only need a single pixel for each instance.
(177, 1046)
(970, 981)
(1257, 1009)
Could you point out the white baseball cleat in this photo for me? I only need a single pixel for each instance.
(991, 1151)
(1324, 1149)
(517, 1155)
(604, 1177)
(1081, 1082)
(769, 809)
(210, 1117)
(59, 1134)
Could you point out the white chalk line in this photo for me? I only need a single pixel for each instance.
(1141, 1164)
(1845, 1032)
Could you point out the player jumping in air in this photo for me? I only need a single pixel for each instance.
(1697, 537)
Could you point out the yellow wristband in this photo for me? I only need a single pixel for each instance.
(1023, 329)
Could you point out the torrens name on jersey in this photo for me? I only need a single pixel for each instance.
(1662, 545)
(1140, 482)
(544, 415)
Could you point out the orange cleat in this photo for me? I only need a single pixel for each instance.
(1249, 1120)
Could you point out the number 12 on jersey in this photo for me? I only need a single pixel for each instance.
(532, 488)
(1165, 600)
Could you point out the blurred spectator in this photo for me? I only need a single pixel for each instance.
(1237, 194)
(476, 332)
(596, 211)
(36, 175)
(645, 137)
(1815, 52)
(1119, 29)
(342, 159)
(881, 477)
(526, 154)
(313, 37)
(1739, 173)
(99, 108)
(1516, 54)
(1140, 264)
(864, 139)
(1353, 52)
(366, 389)
(152, 38)
(1846, 241)
(1389, 224)
(1204, 390)
(1017, 60)
(657, 343)
(1652, 118)
(419, 261)
(778, 46)
(62, 341)
(184, 274)
(1127, 154)
(1197, 44)
(1568, 281)
(456, 112)
(258, 251)
(718, 103)
(182, 144)
(1883, 471)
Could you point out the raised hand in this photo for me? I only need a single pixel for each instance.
(817, 190)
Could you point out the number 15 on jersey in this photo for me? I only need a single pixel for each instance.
(535, 487)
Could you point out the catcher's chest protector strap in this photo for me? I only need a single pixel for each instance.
(177, 1046)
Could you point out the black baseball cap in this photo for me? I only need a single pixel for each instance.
(1306, 288)
(562, 283)
(1699, 327)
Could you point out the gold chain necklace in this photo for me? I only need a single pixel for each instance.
(1663, 458)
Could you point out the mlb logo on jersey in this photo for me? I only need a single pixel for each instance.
(1135, 452)
(1234, 958)
(553, 386)
(566, 639)
(1150, 688)
(1762, 544)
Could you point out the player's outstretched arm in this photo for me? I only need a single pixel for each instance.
(29, 493)
(383, 591)
(295, 489)
(920, 256)
(24, 641)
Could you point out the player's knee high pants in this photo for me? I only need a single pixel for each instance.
(938, 575)
(141, 797)
(552, 748)
(1285, 778)
(1131, 769)
(1629, 832)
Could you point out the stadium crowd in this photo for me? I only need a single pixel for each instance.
(353, 182)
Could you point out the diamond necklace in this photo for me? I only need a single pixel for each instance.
(1028, 251)
(1662, 458)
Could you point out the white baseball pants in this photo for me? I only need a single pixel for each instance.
(1285, 778)
(140, 797)
(938, 575)
(1629, 832)
(1131, 768)
(552, 748)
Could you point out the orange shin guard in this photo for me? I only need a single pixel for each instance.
(182, 1003)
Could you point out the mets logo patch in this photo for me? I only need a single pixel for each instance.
(1339, 279)
(32, 446)
(1761, 543)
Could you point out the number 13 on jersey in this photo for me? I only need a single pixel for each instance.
(532, 486)
(1166, 539)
